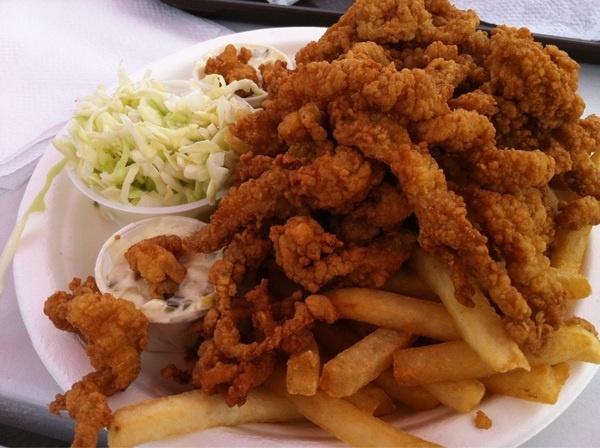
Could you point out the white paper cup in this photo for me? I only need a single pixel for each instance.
(169, 319)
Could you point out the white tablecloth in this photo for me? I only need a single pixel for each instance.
(50, 53)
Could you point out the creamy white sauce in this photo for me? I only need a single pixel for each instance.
(261, 54)
(194, 296)
(191, 300)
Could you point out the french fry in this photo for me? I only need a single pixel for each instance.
(303, 371)
(570, 245)
(480, 325)
(576, 284)
(362, 363)
(462, 396)
(344, 420)
(569, 249)
(444, 362)
(590, 354)
(390, 310)
(415, 397)
(373, 400)
(569, 342)
(456, 360)
(193, 411)
(542, 384)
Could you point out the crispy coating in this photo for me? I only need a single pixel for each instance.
(509, 224)
(392, 21)
(580, 212)
(581, 139)
(232, 65)
(115, 333)
(247, 205)
(155, 260)
(335, 181)
(309, 255)
(251, 166)
(511, 170)
(256, 131)
(312, 257)
(384, 208)
(389, 20)
(306, 128)
(540, 80)
(477, 100)
(238, 352)
(458, 130)
(442, 215)
(401, 125)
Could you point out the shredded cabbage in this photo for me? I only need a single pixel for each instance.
(153, 143)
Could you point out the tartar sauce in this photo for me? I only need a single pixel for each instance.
(191, 300)
(195, 294)
(261, 54)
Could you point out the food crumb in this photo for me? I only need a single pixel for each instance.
(482, 421)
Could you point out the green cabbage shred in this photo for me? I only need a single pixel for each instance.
(153, 143)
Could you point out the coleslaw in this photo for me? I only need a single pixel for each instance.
(153, 143)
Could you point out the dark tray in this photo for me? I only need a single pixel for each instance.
(327, 12)
(301, 13)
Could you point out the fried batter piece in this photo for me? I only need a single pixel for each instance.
(155, 260)
(243, 336)
(509, 224)
(115, 333)
(391, 21)
(312, 257)
(384, 208)
(232, 65)
(541, 80)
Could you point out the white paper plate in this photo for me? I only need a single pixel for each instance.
(63, 242)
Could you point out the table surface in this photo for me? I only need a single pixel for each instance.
(26, 387)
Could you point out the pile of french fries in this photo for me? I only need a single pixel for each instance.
(366, 364)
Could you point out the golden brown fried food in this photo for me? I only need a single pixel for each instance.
(312, 257)
(232, 65)
(305, 131)
(256, 132)
(541, 81)
(115, 333)
(508, 222)
(155, 260)
(581, 139)
(309, 255)
(402, 121)
(392, 21)
(384, 208)
(456, 131)
(579, 212)
(403, 125)
(344, 179)
(335, 181)
(442, 215)
(251, 166)
(246, 205)
(511, 170)
(241, 341)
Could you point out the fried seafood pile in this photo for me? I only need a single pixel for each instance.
(402, 125)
